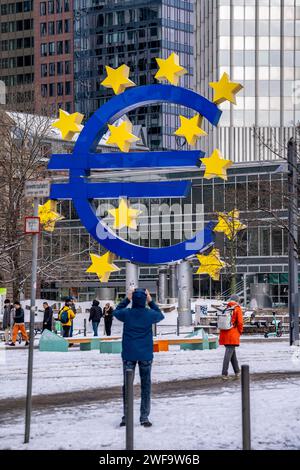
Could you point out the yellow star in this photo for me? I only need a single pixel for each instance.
(229, 224)
(68, 124)
(117, 79)
(170, 69)
(216, 166)
(124, 216)
(225, 90)
(191, 128)
(121, 136)
(211, 264)
(48, 215)
(102, 266)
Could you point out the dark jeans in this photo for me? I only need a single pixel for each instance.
(47, 327)
(230, 356)
(71, 329)
(66, 331)
(95, 325)
(108, 323)
(145, 375)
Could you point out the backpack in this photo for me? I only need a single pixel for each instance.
(224, 319)
(64, 316)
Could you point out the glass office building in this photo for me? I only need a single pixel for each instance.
(132, 32)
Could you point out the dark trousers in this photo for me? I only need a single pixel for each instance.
(230, 356)
(48, 326)
(66, 331)
(95, 325)
(145, 375)
(108, 323)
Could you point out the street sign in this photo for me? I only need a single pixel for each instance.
(37, 188)
(32, 225)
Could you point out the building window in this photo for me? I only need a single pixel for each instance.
(67, 47)
(44, 90)
(51, 69)
(59, 47)
(43, 29)
(51, 30)
(60, 68)
(60, 89)
(59, 6)
(51, 7)
(67, 67)
(68, 107)
(44, 70)
(67, 26)
(67, 5)
(44, 49)
(51, 48)
(59, 27)
(51, 89)
(68, 88)
(43, 8)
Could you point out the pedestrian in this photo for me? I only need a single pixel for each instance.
(230, 338)
(19, 325)
(7, 321)
(48, 316)
(95, 315)
(66, 315)
(137, 343)
(108, 318)
(73, 307)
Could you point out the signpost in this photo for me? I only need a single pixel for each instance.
(33, 189)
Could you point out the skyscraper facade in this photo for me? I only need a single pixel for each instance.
(132, 32)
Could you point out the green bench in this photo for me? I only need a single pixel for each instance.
(110, 347)
(51, 342)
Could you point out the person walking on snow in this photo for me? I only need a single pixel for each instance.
(137, 343)
(19, 325)
(95, 316)
(7, 321)
(66, 316)
(48, 315)
(108, 318)
(231, 338)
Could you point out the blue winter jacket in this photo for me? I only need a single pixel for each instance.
(137, 343)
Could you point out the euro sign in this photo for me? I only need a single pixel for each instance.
(84, 159)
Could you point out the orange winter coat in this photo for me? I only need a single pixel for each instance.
(232, 336)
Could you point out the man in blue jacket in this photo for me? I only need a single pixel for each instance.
(137, 343)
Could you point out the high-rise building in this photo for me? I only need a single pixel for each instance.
(36, 54)
(132, 32)
(257, 42)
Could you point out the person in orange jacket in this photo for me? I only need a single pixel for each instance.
(231, 338)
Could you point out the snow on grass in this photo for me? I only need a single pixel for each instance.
(208, 420)
(79, 370)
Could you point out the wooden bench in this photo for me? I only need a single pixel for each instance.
(87, 343)
(185, 343)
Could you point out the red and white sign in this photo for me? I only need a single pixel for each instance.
(32, 225)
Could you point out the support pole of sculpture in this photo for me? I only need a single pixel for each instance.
(132, 276)
(184, 293)
(162, 284)
(173, 286)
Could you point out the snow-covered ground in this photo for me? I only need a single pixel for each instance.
(208, 420)
(79, 370)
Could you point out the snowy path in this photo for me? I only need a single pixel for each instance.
(207, 420)
(81, 370)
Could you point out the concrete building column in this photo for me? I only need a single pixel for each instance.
(173, 285)
(185, 289)
(132, 275)
(162, 284)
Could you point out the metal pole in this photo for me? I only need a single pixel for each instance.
(35, 240)
(245, 289)
(293, 292)
(246, 408)
(129, 408)
(84, 327)
(177, 326)
(132, 275)
(185, 288)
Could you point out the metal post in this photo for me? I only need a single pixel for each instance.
(84, 327)
(154, 329)
(173, 287)
(132, 275)
(246, 408)
(245, 289)
(35, 240)
(129, 408)
(184, 293)
(293, 293)
(162, 285)
(177, 325)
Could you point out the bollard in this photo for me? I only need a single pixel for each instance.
(246, 408)
(129, 408)
(155, 329)
(84, 327)
(177, 328)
